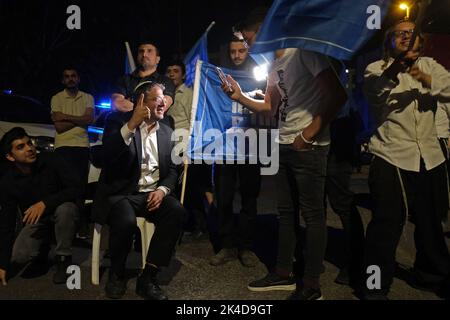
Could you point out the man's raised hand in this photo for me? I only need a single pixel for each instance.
(140, 113)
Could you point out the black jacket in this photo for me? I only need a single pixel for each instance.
(122, 164)
(51, 181)
(127, 84)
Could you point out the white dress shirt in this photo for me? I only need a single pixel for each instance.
(404, 114)
(149, 178)
(442, 120)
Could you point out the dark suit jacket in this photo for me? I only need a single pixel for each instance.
(122, 164)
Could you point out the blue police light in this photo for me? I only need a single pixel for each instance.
(7, 91)
(104, 105)
(95, 130)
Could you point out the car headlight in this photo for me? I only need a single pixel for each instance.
(44, 143)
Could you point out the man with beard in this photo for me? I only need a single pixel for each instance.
(408, 173)
(138, 181)
(148, 59)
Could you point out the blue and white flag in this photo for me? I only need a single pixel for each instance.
(337, 28)
(219, 128)
(262, 59)
(198, 51)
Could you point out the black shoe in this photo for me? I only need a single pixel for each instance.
(62, 262)
(116, 286)
(36, 268)
(306, 294)
(223, 256)
(273, 281)
(147, 288)
(248, 258)
(418, 281)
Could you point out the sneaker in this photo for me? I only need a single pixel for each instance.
(306, 294)
(62, 262)
(248, 258)
(273, 281)
(222, 257)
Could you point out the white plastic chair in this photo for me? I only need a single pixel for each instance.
(147, 229)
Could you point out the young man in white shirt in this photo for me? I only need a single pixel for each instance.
(307, 94)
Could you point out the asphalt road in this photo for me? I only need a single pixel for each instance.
(190, 277)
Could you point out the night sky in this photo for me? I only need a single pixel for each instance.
(36, 43)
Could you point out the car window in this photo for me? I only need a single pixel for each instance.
(15, 108)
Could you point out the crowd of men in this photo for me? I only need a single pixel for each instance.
(408, 174)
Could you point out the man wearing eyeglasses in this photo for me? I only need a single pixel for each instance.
(408, 174)
(137, 180)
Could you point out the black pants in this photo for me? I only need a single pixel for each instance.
(337, 190)
(78, 160)
(226, 177)
(122, 221)
(422, 195)
(197, 184)
(301, 187)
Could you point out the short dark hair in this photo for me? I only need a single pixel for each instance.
(70, 67)
(9, 137)
(178, 63)
(144, 88)
(234, 38)
(147, 41)
(253, 20)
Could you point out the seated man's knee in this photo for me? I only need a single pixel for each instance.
(20, 256)
(122, 218)
(67, 212)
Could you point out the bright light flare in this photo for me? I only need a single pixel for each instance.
(260, 72)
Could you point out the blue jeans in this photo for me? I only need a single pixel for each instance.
(301, 186)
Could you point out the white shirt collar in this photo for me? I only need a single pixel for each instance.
(144, 126)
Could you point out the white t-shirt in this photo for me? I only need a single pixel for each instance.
(294, 74)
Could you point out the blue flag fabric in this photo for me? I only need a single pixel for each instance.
(198, 51)
(263, 58)
(337, 28)
(213, 109)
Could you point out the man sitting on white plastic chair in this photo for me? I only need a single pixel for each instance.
(136, 180)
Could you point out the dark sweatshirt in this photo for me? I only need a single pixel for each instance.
(50, 181)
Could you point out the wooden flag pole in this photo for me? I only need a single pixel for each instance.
(183, 185)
